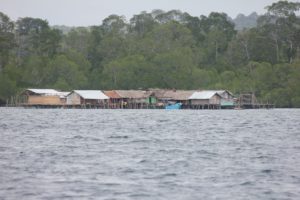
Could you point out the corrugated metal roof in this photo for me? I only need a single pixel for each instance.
(91, 94)
(44, 91)
(203, 95)
(63, 94)
(49, 92)
(112, 94)
(220, 92)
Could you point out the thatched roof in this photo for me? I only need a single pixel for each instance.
(179, 95)
(133, 94)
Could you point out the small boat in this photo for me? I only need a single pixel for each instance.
(175, 106)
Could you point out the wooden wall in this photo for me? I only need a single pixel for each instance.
(73, 99)
(199, 101)
(215, 100)
(44, 100)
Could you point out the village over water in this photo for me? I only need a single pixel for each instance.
(136, 99)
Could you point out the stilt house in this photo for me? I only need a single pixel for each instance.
(115, 100)
(44, 97)
(136, 98)
(227, 98)
(176, 96)
(87, 97)
(205, 98)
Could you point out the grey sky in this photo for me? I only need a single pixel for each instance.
(92, 12)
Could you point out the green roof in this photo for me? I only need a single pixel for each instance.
(227, 103)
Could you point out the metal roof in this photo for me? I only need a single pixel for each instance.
(220, 92)
(63, 94)
(44, 91)
(112, 94)
(203, 95)
(48, 92)
(91, 94)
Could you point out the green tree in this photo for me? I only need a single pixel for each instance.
(66, 74)
(129, 72)
(171, 16)
(293, 84)
(284, 8)
(34, 71)
(142, 24)
(7, 88)
(7, 42)
(93, 47)
(218, 33)
(167, 37)
(34, 36)
(282, 25)
(174, 69)
(78, 39)
(113, 43)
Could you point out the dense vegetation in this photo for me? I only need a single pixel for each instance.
(157, 50)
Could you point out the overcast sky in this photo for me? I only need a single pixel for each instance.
(92, 12)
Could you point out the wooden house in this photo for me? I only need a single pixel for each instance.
(176, 96)
(136, 98)
(87, 97)
(115, 100)
(46, 97)
(205, 98)
(227, 98)
(225, 94)
(63, 97)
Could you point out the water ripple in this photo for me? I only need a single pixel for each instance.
(149, 154)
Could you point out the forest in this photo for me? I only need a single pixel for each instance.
(160, 49)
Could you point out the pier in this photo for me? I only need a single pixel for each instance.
(249, 101)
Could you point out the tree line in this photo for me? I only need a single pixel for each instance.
(157, 50)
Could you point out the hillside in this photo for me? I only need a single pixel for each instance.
(158, 49)
(241, 21)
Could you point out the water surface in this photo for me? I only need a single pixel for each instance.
(149, 154)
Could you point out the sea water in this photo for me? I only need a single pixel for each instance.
(149, 154)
